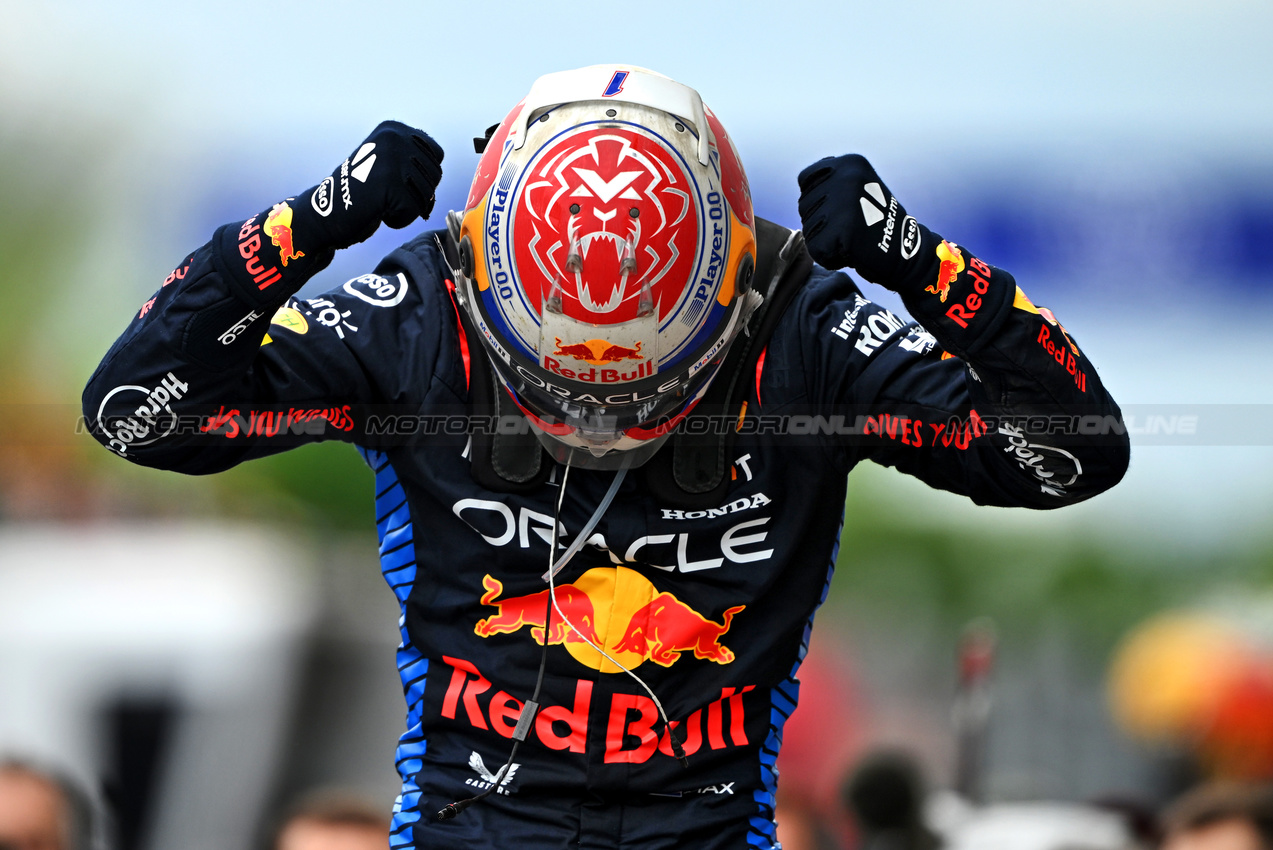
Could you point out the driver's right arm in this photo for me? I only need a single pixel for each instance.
(202, 379)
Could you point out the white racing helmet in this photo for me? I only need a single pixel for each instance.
(606, 253)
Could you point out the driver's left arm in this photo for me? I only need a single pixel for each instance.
(988, 396)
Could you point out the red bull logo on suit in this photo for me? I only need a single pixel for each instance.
(278, 226)
(952, 263)
(617, 609)
(630, 720)
(515, 612)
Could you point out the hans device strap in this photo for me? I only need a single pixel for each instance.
(690, 472)
(512, 462)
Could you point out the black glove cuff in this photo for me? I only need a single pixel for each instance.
(390, 179)
(955, 296)
(917, 262)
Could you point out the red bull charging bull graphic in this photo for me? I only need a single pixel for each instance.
(952, 263)
(665, 627)
(598, 352)
(278, 226)
(515, 612)
(617, 609)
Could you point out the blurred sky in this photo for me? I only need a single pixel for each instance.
(798, 75)
(1114, 155)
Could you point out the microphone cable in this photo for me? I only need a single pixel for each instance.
(531, 707)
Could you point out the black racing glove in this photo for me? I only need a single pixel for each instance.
(850, 218)
(390, 178)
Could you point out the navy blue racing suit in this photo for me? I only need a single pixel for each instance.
(712, 607)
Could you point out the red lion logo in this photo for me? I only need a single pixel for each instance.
(603, 214)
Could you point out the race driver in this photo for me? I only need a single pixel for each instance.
(610, 415)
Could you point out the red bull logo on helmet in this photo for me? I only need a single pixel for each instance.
(598, 352)
(617, 609)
